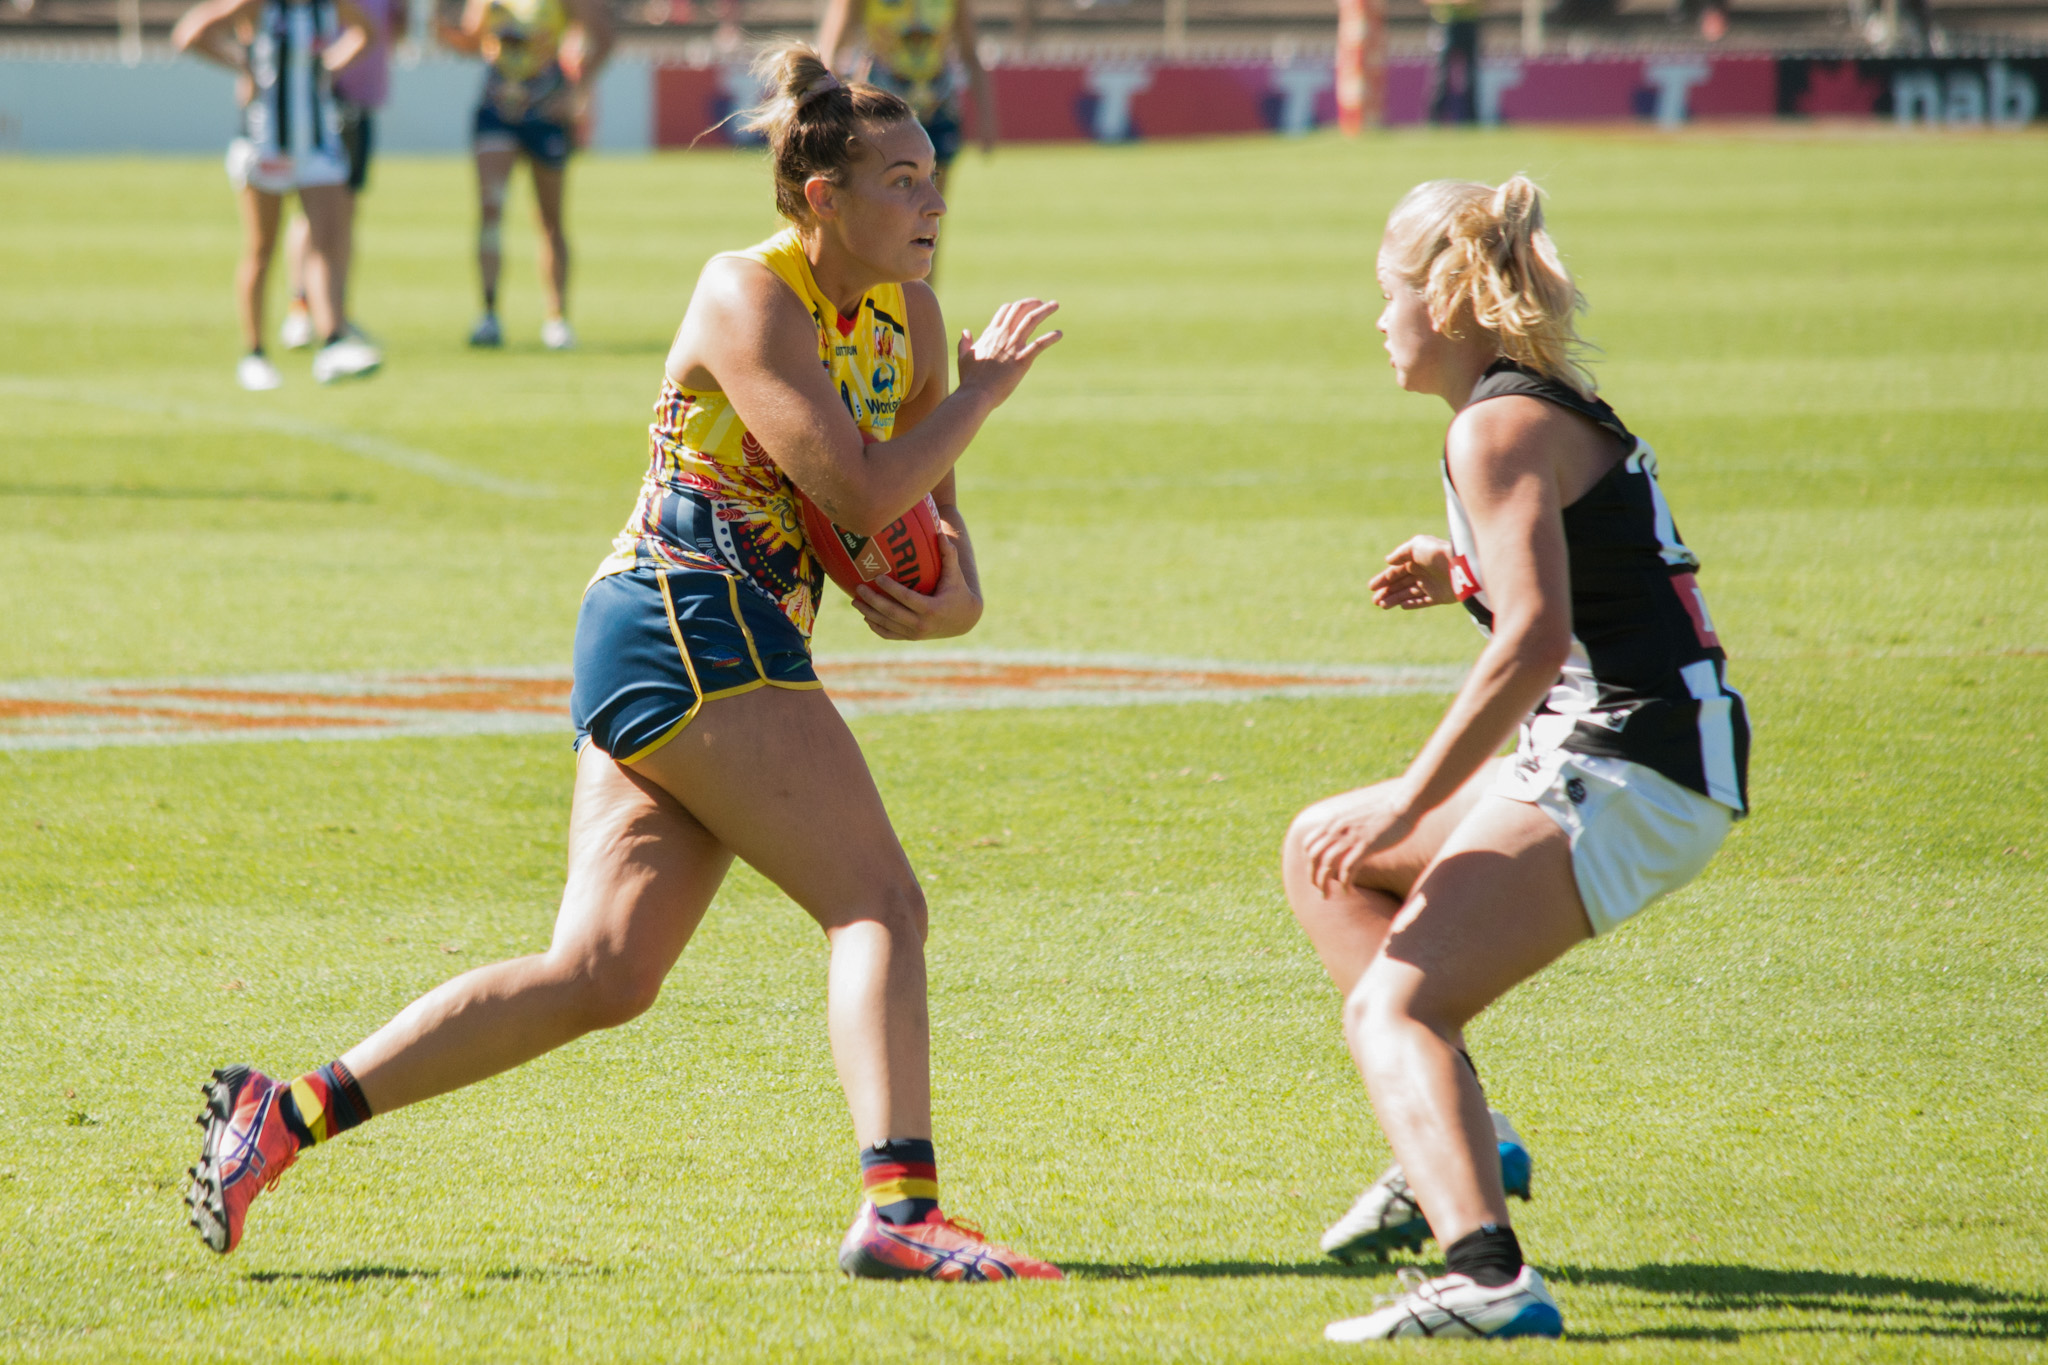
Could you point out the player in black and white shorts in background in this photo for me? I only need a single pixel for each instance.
(290, 143)
(1430, 896)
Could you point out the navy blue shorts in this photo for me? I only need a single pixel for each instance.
(653, 645)
(546, 141)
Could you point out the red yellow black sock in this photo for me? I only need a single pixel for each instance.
(323, 1104)
(901, 1177)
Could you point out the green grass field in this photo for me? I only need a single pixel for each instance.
(1794, 1112)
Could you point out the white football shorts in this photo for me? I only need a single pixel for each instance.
(280, 172)
(1635, 834)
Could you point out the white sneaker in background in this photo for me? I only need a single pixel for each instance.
(256, 374)
(295, 333)
(346, 357)
(557, 335)
(1386, 1217)
(1458, 1306)
(486, 332)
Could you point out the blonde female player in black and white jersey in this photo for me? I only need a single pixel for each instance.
(1430, 896)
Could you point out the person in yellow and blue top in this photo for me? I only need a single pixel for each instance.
(921, 51)
(542, 58)
(815, 361)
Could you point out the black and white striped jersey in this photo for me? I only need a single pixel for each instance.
(1647, 678)
(293, 113)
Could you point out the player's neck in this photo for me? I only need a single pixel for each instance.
(841, 278)
(1462, 368)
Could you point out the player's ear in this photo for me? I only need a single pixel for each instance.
(823, 197)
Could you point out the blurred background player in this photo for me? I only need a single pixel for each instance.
(290, 142)
(543, 59)
(917, 50)
(1431, 896)
(702, 730)
(360, 90)
(1454, 76)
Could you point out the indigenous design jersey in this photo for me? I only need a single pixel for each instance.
(911, 42)
(524, 38)
(713, 499)
(1647, 678)
(292, 111)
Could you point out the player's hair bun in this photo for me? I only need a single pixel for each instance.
(1480, 249)
(813, 121)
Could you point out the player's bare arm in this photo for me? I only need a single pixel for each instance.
(749, 337)
(967, 42)
(839, 24)
(354, 40)
(891, 610)
(203, 31)
(466, 34)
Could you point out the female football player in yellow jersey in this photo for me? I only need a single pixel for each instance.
(917, 50)
(816, 360)
(543, 56)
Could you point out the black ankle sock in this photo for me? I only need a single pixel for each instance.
(333, 337)
(1491, 1256)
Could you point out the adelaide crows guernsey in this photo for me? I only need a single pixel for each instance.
(911, 42)
(713, 498)
(1647, 678)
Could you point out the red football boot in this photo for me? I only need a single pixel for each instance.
(247, 1147)
(936, 1249)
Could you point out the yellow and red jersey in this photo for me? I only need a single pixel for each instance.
(713, 498)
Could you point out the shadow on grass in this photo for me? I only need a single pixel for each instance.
(1881, 1305)
(1877, 1305)
(99, 492)
(364, 1274)
(1225, 1270)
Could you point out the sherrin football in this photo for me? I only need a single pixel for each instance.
(907, 549)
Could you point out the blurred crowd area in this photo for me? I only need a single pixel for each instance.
(699, 31)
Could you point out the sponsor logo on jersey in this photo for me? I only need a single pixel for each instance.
(1464, 582)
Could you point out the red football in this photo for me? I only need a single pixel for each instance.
(907, 550)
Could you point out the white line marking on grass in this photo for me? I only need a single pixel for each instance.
(413, 460)
(100, 713)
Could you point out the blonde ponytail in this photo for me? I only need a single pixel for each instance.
(813, 122)
(1472, 249)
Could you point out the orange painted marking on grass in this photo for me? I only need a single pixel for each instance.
(95, 713)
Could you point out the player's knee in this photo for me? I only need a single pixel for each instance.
(899, 907)
(1372, 1014)
(612, 990)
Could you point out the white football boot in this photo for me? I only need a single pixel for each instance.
(557, 335)
(1386, 1217)
(296, 331)
(348, 356)
(255, 373)
(1458, 1306)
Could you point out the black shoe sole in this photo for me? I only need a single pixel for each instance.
(208, 1209)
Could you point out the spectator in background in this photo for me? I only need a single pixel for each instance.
(290, 142)
(918, 50)
(1454, 84)
(544, 56)
(359, 91)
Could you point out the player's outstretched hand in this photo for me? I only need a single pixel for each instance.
(1347, 829)
(1419, 575)
(997, 360)
(895, 612)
